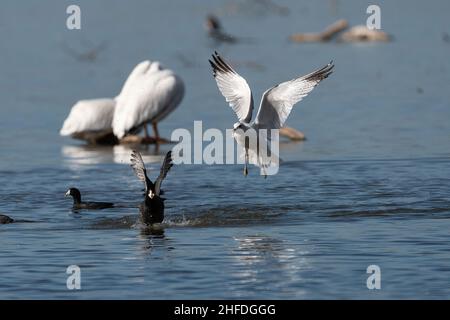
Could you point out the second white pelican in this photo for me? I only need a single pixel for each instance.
(91, 120)
(149, 94)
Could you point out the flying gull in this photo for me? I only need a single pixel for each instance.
(276, 104)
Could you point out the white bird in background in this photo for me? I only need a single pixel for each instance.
(276, 104)
(91, 120)
(149, 94)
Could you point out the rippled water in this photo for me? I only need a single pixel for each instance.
(369, 186)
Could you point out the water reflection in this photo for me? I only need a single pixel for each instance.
(152, 238)
(150, 154)
(80, 156)
(147, 232)
(83, 155)
(257, 255)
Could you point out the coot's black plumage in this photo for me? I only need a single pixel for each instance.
(78, 204)
(5, 219)
(152, 208)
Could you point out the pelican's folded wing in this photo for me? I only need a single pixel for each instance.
(94, 115)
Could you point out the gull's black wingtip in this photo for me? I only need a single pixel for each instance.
(214, 67)
(331, 65)
(328, 69)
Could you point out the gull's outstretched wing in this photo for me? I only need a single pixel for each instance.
(233, 87)
(139, 169)
(277, 102)
(167, 164)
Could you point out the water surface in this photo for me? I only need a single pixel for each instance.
(369, 186)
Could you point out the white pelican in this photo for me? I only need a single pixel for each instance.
(326, 35)
(276, 104)
(149, 94)
(363, 34)
(91, 120)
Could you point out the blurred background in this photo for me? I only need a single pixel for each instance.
(385, 100)
(368, 185)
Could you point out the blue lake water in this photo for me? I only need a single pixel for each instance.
(369, 186)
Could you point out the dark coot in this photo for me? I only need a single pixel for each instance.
(78, 204)
(152, 208)
(5, 219)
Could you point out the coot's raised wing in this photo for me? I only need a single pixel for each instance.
(167, 164)
(139, 169)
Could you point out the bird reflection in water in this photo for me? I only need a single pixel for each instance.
(152, 231)
(79, 156)
(153, 237)
(257, 255)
